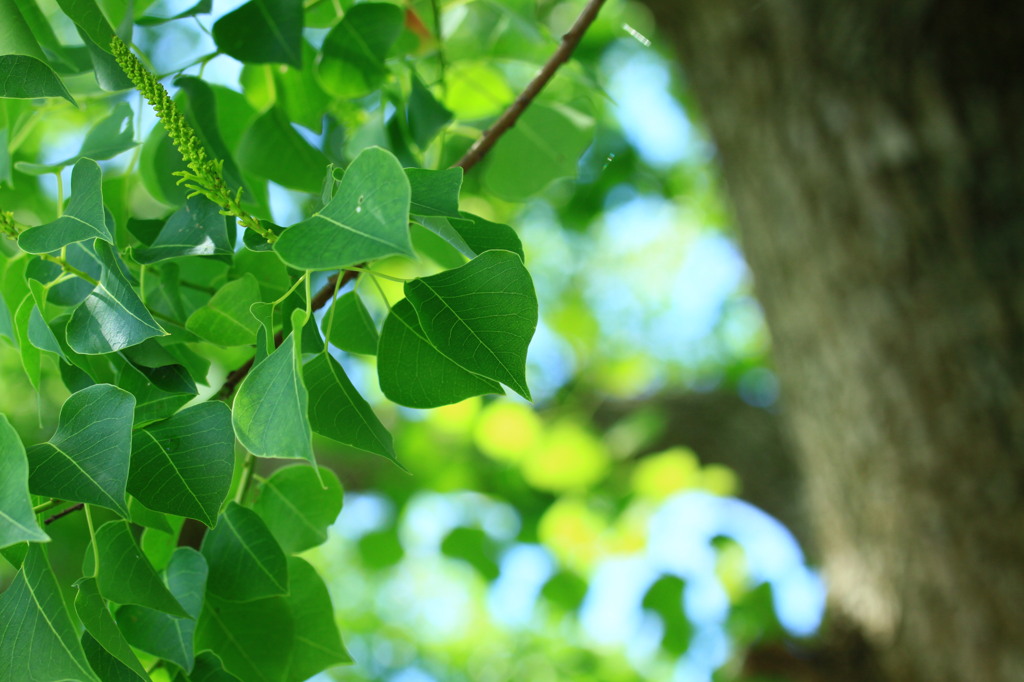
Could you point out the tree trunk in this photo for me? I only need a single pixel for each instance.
(874, 154)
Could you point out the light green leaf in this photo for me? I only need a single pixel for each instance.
(37, 638)
(352, 328)
(426, 115)
(17, 522)
(355, 49)
(435, 192)
(201, 7)
(195, 229)
(24, 77)
(15, 35)
(414, 373)
(483, 235)
(225, 319)
(113, 317)
(87, 15)
(87, 459)
(272, 149)
(270, 412)
(108, 138)
(481, 315)
(545, 144)
(83, 219)
(297, 508)
(317, 642)
(183, 465)
(164, 635)
(262, 31)
(368, 218)
(31, 357)
(254, 639)
(300, 94)
(336, 410)
(245, 560)
(92, 610)
(124, 575)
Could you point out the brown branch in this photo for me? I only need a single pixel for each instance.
(508, 119)
(61, 514)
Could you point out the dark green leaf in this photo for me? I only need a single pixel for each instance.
(83, 219)
(87, 459)
(195, 229)
(124, 575)
(109, 75)
(254, 639)
(481, 315)
(225, 319)
(272, 149)
(245, 560)
(141, 515)
(92, 610)
(158, 545)
(208, 668)
(435, 192)
(262, 31)
(416, 374)
(37, 638)
(351, 327)
(113, 317)
(183, 465)
(153, 400)
(317, 642)
(355, 49)
(476, 548)
(87, 16)
(368, 218)
(105, 664)
(24, 77)
(297, 508)
(17, 522)
(200, 108)
(483, 235)
(72, 291)
(426, 115)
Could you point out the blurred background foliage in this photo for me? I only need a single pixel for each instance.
(601, 533)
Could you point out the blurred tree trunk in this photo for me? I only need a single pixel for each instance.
(874, 155)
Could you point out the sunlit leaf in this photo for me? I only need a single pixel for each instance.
(298, 508)
(200, 107)
(158, 392)
(87, 16)
(17, 522)
(83, 219)
(225, 319)
(201, 7)
(262, 31)
(24, 77)
(368, 218)
(481, 315)
(483, 235)
(426, 115)
(355, 49)
(87, 459)
(245, 561)
(108, 138)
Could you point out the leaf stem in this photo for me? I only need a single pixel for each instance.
(46, 506)
(248, 467)
(92, 535)
(334, 299)
(68, 267)
(356, 268)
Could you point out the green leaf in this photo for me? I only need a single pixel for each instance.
(37, 639)
(73, 291)
(272, 149)
(208, 668)
(124, 575)
(300, 94)
(164, 635)
(481, 315)
(87, 458)
(426, 115)
(225, 319)
(195, 229)
(141, 515)
(355, 49)
(545, 144)
(183, 465)
(105, 664)
(31, 357)
(483, 235)
(92, 610)
(15, 35)
(108, 138)
(414, 373)
(435, 192)
(200, 109)
(317, 642)
(24, 77)
(351, 327)
(253, 639)
(17, 522)
(201, 7)
(297, 508)
(270, 412)
(156, 394)
(158, 546)
(262, 31)
(87, 15)
(368, 218)
(113, 317)
(337, 411)
(245, 561)
(83, 219)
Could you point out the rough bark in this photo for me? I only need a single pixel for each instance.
(874, 154)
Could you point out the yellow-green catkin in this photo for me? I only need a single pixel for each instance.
(205, 174)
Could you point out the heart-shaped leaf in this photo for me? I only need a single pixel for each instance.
(317, 642)
(298, 508)
(254, 639)
(348, 326)
(83, 219)
(354, 51)
(225, 319)
(17, 522)
(245, 560)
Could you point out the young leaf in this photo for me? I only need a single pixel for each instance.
(435, 192)
(195, 229)
(481, 315)
(37, 638)
(245, 561)
(164, 635)
(355, 49)
(124, 575)
(83, 219)
(17, 522)
(225, 320)
(270, 412)
(24, 77)
(414, 373)
(254, 639)
(317, 642)
(351, 327)
(87, 458)
(92, 610)
(262, 31)
(368, 218)
(183, 465)
(297, 508)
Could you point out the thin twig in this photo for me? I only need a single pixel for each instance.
(64, 513)
(508, 119)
